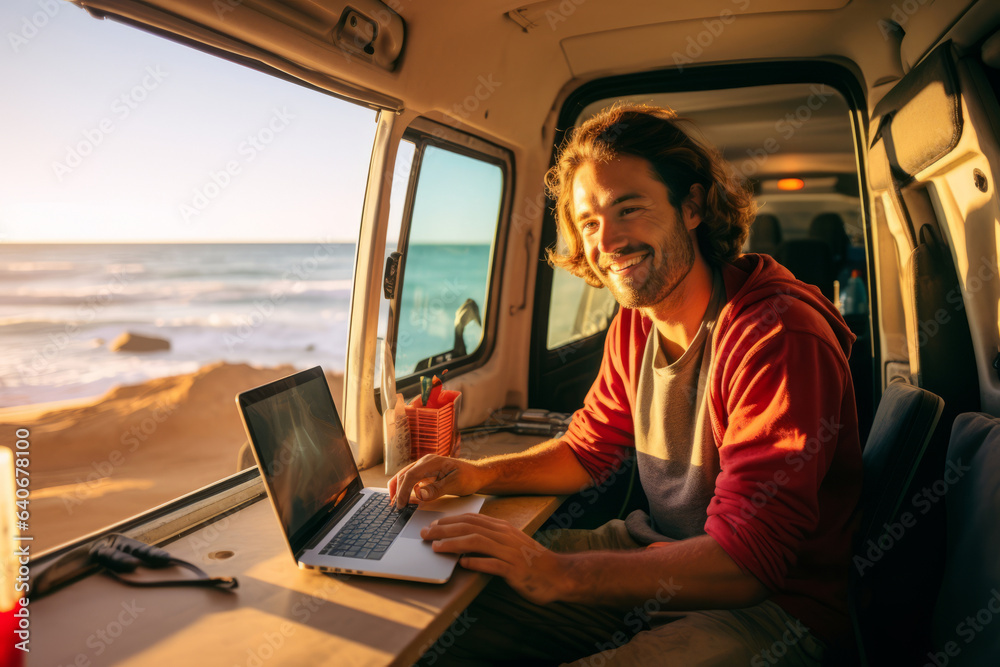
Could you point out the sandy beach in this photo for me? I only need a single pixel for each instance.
(97, 461)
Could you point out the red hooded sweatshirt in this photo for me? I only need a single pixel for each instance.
(781, 406)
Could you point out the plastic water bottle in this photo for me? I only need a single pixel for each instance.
(854, 298)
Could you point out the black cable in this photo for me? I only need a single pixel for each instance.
(116, 554)
(119, 554)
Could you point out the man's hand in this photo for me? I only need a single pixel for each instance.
(432, 477)
(501, 549)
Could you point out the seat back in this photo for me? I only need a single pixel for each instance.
(885, 603)
(966, 625)
(765, 234)
(809, 260)
(829, 227)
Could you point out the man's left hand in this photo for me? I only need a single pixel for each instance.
(536, 573)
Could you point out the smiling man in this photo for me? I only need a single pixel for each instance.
(729, 380)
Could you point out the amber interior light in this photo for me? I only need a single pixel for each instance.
(790, 184)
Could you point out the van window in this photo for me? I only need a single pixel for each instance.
(177, 229)
(447, 241)
(577, 310)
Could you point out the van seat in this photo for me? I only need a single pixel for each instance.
(890, 544)
(765, 234)
(829, 228)
(811, 261)
(966, 625)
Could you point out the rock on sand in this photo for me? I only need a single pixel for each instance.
(130, 342)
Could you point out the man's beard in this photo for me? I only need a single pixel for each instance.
(658, 275)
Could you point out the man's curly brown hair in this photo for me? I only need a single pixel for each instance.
(678, 160)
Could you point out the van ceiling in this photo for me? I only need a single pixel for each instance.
(500, 67)
(769, 123)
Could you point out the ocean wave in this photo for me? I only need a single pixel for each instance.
(322, 286)
(125, 268)
(51, 266)
(18, 323)
(215, 291)
(123, 290)
(60, 307)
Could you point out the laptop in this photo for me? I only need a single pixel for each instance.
(330, 520)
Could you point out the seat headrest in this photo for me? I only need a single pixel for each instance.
(829, 227)
(811, 261)
(765, 234)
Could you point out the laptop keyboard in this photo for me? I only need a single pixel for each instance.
(372, 529)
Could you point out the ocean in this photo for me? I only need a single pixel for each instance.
(61, 305)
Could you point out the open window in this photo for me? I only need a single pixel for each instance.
(177, 229)
(578, 311)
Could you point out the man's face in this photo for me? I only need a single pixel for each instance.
(633, 239)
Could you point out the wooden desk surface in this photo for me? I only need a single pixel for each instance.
(279, 615)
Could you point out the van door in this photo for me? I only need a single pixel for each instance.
(933, 163)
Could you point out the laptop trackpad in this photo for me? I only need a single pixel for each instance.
(420, 520)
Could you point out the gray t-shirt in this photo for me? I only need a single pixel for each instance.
(675, 450)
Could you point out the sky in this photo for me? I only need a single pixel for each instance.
(112, 134)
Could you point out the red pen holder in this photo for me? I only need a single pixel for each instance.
(431, 430)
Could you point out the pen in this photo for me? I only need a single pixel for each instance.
(440, 477)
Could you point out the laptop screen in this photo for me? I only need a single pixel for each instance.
(301, 445)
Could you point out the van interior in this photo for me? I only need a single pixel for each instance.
(869, 134)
